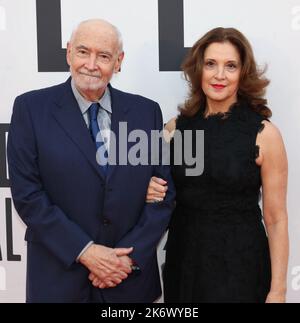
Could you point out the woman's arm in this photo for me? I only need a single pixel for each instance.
(157, 186)
(170, 128)
(274, 171)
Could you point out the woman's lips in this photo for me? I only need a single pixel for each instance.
(218, 86)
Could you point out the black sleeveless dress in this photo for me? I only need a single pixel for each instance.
(217, 249)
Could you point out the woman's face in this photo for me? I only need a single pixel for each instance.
(221, 73)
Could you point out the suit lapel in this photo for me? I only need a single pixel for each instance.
(119, 110)
(69, 117)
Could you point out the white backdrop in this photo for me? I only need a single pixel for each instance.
(272, 26)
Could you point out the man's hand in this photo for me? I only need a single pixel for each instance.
(97, 282)
(107, 264)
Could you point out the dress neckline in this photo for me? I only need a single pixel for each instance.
(220, 115)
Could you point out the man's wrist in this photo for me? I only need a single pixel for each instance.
(78, 259)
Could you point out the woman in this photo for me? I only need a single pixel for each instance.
(217, 248)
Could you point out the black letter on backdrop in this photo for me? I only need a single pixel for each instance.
(4, 182)
(171, 35)
(9, 233)
(51, 57)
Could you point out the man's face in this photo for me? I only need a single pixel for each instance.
(93, 56)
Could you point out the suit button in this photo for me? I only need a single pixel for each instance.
(106, 221)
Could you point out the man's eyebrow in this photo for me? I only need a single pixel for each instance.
(106, 53)
(81, 47)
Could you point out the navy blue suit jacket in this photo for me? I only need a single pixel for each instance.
(62, 196)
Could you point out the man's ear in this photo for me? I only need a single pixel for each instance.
(119, 62)
(68, 53)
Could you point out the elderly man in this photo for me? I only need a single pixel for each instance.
(91, 236)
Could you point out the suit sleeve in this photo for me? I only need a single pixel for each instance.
(46, 222)
(155, 217)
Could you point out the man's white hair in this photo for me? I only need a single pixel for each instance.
(114, 28)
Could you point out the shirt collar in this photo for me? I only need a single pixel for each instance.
(84, 104)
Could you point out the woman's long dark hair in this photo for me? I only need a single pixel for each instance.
(252, 85)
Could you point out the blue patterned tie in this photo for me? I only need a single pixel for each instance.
(97, 138)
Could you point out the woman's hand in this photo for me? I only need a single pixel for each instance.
(156, 190)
